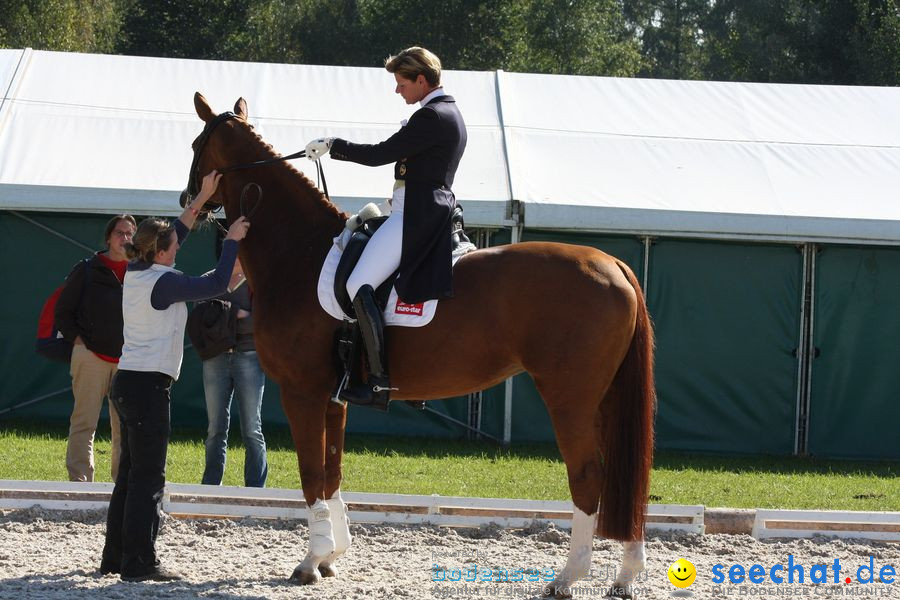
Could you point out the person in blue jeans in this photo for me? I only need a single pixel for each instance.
(236, 374)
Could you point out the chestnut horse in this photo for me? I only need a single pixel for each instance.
(571, 316)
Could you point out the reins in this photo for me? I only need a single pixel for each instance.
(320, 172)
(192, 176)
(244, 213)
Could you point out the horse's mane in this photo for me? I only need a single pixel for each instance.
(304, 183)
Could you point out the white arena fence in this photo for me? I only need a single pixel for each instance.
(203, 501)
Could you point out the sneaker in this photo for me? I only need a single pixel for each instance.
(158, 574)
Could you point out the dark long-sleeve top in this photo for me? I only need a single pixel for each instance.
(177, 287)
(240, 299)
(427, 150)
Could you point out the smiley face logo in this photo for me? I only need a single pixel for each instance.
(682, 573)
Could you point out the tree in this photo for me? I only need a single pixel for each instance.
(671, 36)
(804, 41)
(66, 25)
(551, 36)
(582, 37)
(173, 28)
(859, 42)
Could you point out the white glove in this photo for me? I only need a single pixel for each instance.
(316, 149)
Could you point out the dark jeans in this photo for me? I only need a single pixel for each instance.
(142, 400)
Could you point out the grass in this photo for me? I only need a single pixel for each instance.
(459, 468)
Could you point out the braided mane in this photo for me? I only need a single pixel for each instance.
(303, 182)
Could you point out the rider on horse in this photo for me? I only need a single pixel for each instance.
(426, 152)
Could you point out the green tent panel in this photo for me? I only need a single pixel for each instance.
(36, 276)
(727, 324)
(854, 412)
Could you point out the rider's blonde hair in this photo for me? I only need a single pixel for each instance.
(415, 61)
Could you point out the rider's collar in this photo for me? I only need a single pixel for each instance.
(435, 93)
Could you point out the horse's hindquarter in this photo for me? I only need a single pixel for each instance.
(538, 307)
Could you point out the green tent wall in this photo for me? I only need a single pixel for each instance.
(727, 321)
(855, 386)
(37, 260)
(727, 317)
(34, 262)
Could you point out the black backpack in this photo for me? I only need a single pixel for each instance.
(212, 327)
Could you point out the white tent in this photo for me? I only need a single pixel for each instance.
(103, 134)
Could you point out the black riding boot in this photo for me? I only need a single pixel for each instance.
(376, 392)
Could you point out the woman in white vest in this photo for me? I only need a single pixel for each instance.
(154, 311)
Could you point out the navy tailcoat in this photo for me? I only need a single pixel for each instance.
(427, 152)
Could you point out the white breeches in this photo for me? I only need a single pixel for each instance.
(382, 254)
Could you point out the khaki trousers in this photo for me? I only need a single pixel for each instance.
(91, 378)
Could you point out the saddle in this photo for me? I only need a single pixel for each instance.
(357, 244)
(347, 338)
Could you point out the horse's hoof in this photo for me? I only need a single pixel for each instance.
(305, 578)
(327, 570)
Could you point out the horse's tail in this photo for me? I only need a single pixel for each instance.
(626, 432)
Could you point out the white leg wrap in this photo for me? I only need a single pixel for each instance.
(321, 539)
(579, 562)
(633, 562)
(340, 525)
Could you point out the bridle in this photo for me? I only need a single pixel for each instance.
(193, 187)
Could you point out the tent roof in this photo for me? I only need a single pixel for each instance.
(102, 134)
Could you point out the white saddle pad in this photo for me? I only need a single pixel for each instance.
(397, 313)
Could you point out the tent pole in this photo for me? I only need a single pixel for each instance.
(9, 409)
(645, 276)
(515, 237)
(517, 224)
(805, 352)
(813, 250)
(460, 423)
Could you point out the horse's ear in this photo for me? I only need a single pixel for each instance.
(202, 108)
(240, 108)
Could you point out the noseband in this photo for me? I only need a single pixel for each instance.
(193, 187)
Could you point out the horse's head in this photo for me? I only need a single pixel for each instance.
(209, 151)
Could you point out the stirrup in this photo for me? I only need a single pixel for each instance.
(368, 395)
(336, 396)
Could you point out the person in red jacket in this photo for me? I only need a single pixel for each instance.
(91, 318)
(416, 237)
